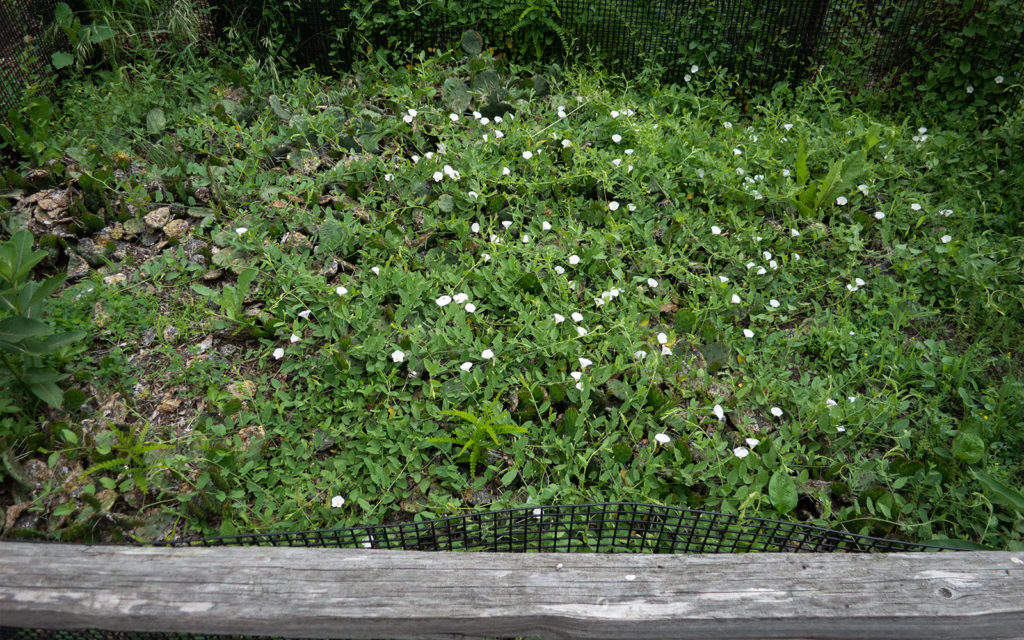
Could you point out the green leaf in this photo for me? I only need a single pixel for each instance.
(472, 43)
(48, 392)
(1000, 493)
(45, 289)
(16, 328)
(204, 291)
(278, 108)
(156, 120)
(802, 174)
(446, 203)
(17, 257)
(100, 33)
(968, 446)
(782, 491)
(61, 59)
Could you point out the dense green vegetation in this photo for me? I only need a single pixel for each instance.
(407, 292)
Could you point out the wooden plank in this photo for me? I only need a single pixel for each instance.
(336, 593)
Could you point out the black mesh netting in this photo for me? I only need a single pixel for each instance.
(599, 528)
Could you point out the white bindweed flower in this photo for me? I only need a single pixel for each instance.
(375, 270)
(414, 159)
(661, 438)
(851, 398)
(505, 171)
(470, 307)
(787, 126)
(388, 177)
(574, 259)
(863, 188)
(969, 89)
(341, 291)
(398, 355)
(785, 173)
(796, 256)
(946, 213)
(477, 115)
(506, 223)
(526, 239)
(761, 271)
(752, 442)
(723, 279)
(727, 125)
(946, 239)
(794, 233)
(337, 502)
(631, 206)
(859, 282)
(443, 301)
(747, 333)
(498, 119)
(639, 355)
(585, 362)
(278, 353)
(294, 338)
(466, 366)
(915, 206)
(694, 69)
(486, 257)
(305, 314)
(438, 176)
(736, 299)
(454, 117)
(527, 155)
(767, 255)
(652, 283)
(831, 403)
(741, 452)
(662, 338)
(499, 134)
(485, 120)
(566, 142)
(579, 386)
(559, 269)
(581, 331)
(841, 200)
(840, 429)
(716, 230)
(545, 226)
(777, 412)
(665, 351)
(559, 318)
(719, 412)
(240, 230)
(460, 298)
(616, 138)
(737, 152)
(577, 316)
(487, 354)
(879, 215)
(613, 206)
(774, 303)
(576, 375)
(617, 161)
(407, 118)
(475, 227)
(614, 114)
(774, 265)
(473, 194)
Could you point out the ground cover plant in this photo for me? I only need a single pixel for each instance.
(409, 292)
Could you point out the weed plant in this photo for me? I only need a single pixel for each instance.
(793, 309)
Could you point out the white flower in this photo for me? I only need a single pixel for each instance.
(787, 126)
(727, 125)
(559, 269)
(337, 502)
(574, 259)
(576, 375)
(851, 398)
(859, 282)
(398, 355)
(527, 155)
(585, 362)
(559, 318)
(407, 118)
(305, 314)
(475, 227)
(506, 223)
(415, 159)
(774, 303)
(487, 354)
(581, 331)
(470, 307)
(794, 233)
(639, 355)
(505, 171)
(741, 452)
(716, 230)
(761, 271)
(774, 265)
(294, 338)
(796, 256)
(486, 257)
(485, 120)
(946, 213)
(879, 215)
(454, 117)
(599, 302)
(526, 239)
(613, 205)
(459, 298)
(998, 79)
(946, 239)
(412, 112)
(723, 279)
(841, 200)
(617, 161)
(831, 403)
(840, 429)
(694, 69)
(616, 138)
(777, 412)
(466, 366)
(631, 206)
(661, 438)
(577, 316)
(614, 114)
(438, 176)
(476, 115)
(747, 333)
(388, 177)
(737, 152)
(545, 226)
(579, 386)
(566, 142)
(922, 130)
(752, 442)
(278, 353)
(767, 255)
(735, 299)
(443, 301)
(662, 338)
(785, 173)
(719, 412)
(473, 194)
(915, 206)
(240, 230)
(498, 119)
(665, 351)
(970, 88)
(341, 291)
(375, 270)
(498, 134)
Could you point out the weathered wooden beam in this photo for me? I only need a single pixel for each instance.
(336, 593)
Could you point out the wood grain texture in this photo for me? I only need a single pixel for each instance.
(336, 593)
